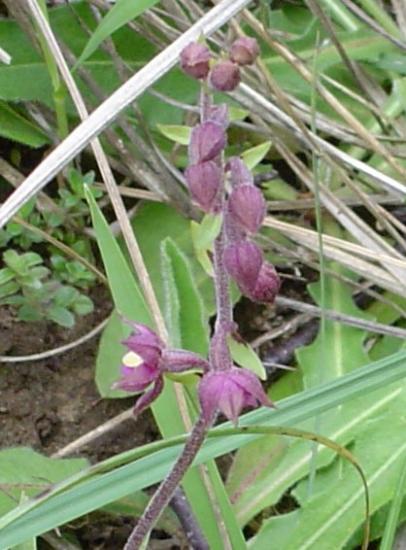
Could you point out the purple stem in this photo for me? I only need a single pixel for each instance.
(167, 488)
(220, 359)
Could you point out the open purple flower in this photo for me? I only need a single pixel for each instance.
(146, 362)
(230, 391)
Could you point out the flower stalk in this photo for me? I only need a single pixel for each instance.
(223, 387)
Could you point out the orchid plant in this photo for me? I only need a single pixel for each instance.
(224, 187)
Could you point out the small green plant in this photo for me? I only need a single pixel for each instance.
(27, 284)
(41, 292)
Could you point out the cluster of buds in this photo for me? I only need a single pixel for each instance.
(224, 75)
(256, 278)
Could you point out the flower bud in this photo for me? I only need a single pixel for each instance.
(219, 114)
(267, 285)
(194, 60)
(247, 207)
(244, 50)
(243, 261)
(206, 142)
(204, 180)
(240, 174)
(225, 76)
(230, 391)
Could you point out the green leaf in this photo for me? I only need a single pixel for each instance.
(191, 329)
(284, 463)
(152, 225)
(245, 356)
(127, 298)
(121, 13)
(17, 128)
(203, 236)
(83, 305)
(252, 157)
(28, 545)
(26, 472)
(335, 509)
(109, 357)
(392, 521)
(78, 498)
(61, 316)
(177, 133)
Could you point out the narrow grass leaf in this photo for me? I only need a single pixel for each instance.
(121, 13)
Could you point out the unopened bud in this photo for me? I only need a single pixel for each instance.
(194, 60)
(243, 261)
(206, 142)
(219, 114)
(225, 76)
(247, 207)
(244, 50)
(240, 174)
(204, 180)
(267, 286)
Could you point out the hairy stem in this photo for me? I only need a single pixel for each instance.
(167, 488)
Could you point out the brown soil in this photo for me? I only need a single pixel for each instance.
(47, 404)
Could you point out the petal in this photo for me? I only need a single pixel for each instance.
(252, 387)
(209, 391)
(136, 379)
(232, 400)
(145, 400)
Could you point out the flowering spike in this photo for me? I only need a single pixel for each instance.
(240, 175)
(244, 50)
(243, 261)
(206, 142)
(230, 391)
(204, 181)
(247, 207)
(194, 60)
(225, 76)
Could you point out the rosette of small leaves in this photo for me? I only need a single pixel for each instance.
(26, 284)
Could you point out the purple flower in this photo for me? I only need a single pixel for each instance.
(225, 76)
(243, 261)
(230, 391)
(146, 362)
(247, 207)
(206, 142)
(240, 174)
(204, 181)
(194, 60)
(244, 50)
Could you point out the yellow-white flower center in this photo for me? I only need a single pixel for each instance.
(132, 359)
